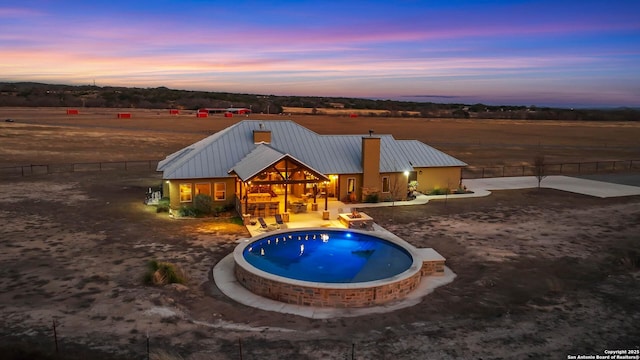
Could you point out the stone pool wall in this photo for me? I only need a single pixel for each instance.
(343, 297)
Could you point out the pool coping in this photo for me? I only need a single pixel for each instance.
(224, 277)
(416, 265)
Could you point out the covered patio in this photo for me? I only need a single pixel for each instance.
(270, 182)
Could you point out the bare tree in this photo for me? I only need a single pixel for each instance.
(538, 163)
(396, 189)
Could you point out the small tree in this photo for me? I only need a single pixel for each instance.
(538, 163)
(397, 189)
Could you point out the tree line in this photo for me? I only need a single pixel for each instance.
(30, 94)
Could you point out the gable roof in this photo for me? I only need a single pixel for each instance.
(264, 156)
(216, 155)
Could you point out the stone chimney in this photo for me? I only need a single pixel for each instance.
(262, 135)
(370, 164)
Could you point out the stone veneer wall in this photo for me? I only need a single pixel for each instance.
(432, 267)
(336, 297)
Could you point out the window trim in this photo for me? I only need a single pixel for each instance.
(203, 183)
(351, 185)
(224, 191)
(190, 185)
(388, 184)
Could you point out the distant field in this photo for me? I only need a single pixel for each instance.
(48, 135)
(343, 112)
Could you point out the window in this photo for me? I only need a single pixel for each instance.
(220, 190)
(203, 188)
(185, 192)
(385, 184)
(351, 185)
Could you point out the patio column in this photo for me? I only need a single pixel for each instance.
(286, 189)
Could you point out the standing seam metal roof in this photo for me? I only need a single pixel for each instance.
(215, 155)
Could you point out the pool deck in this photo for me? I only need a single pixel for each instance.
(225, 279)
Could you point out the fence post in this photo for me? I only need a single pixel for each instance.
(597, 166)
(55, 335)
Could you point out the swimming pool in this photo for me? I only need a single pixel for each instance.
(328, 256)
(327, 267)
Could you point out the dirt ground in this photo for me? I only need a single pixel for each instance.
(541, 273)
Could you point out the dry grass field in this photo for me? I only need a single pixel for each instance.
(152, 134)
(541, 273)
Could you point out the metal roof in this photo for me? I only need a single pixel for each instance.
(216, 155)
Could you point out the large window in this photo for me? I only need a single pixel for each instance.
(351, 185)
(220, 190)
(203, 188)
(185, 193)
(385, 184)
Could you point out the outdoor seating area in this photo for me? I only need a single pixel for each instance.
(261, 204)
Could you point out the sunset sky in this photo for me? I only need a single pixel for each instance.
(547, 53)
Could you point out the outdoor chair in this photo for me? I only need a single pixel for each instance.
(264, 226)
(279, 220)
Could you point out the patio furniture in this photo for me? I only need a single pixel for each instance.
(264, 226)
(273, 208)
(298, 207)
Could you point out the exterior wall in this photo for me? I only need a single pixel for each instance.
(343, 186)
(438, 178)
(338, 297)
(397, 187)
(174, 191)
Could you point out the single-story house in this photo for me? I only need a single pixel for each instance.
(283, 158)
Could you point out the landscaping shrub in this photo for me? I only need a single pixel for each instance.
(187, 211)
(438, 191)
(218, 210)
(371, 198)
(162, 273)
(163, 205)
(202, 204)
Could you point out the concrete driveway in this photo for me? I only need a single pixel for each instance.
(589, 187)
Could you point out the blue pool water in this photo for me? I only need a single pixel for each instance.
(330, 256)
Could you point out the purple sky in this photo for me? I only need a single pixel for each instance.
(558, 53)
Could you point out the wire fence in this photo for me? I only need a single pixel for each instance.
(469, 172)
(573, 168)
(43, 169)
